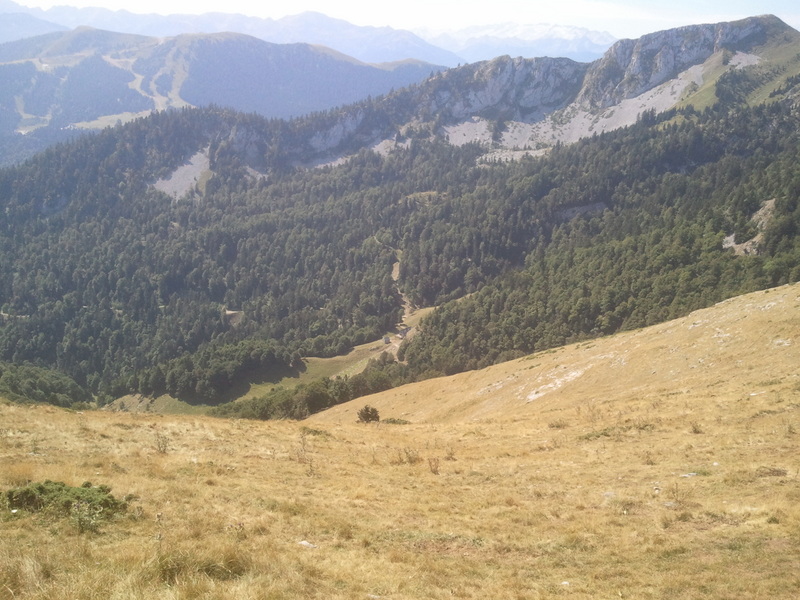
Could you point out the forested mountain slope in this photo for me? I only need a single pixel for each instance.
(244, 262)
(126, 288)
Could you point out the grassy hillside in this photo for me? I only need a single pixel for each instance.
(659, 463)
(736, 350)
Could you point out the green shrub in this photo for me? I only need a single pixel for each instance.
(86, 506)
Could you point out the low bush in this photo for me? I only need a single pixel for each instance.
(368, 414)
(86, 505)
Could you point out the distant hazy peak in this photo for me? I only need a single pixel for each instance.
(521, 31)
(483, 42)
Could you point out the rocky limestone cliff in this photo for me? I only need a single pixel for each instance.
(529, 90)
(631, 67)
(338, 133)
(515, 103)
(503, 88)
(515, 88)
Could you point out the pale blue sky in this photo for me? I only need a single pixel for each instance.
(621, 18)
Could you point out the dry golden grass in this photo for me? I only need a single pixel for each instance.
(658, 464)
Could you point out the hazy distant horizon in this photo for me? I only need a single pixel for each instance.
(620, 18)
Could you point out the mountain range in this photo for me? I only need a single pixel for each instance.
(484, 42)
(368, 44)
(86, 78)
(90, 78)
(198, 250)
(18, 25)
(513, 104)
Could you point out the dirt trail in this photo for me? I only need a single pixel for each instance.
(408, 309)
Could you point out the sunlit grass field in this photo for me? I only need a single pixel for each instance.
(660, 463)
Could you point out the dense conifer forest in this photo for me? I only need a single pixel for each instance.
(122, 288)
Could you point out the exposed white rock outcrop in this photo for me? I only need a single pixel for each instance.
(337, 133)
(515, 88)
(631, 67)
(529, 104)
(186, 177)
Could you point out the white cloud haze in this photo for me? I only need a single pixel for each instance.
(621, 18)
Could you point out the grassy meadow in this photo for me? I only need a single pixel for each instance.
(659, 463)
